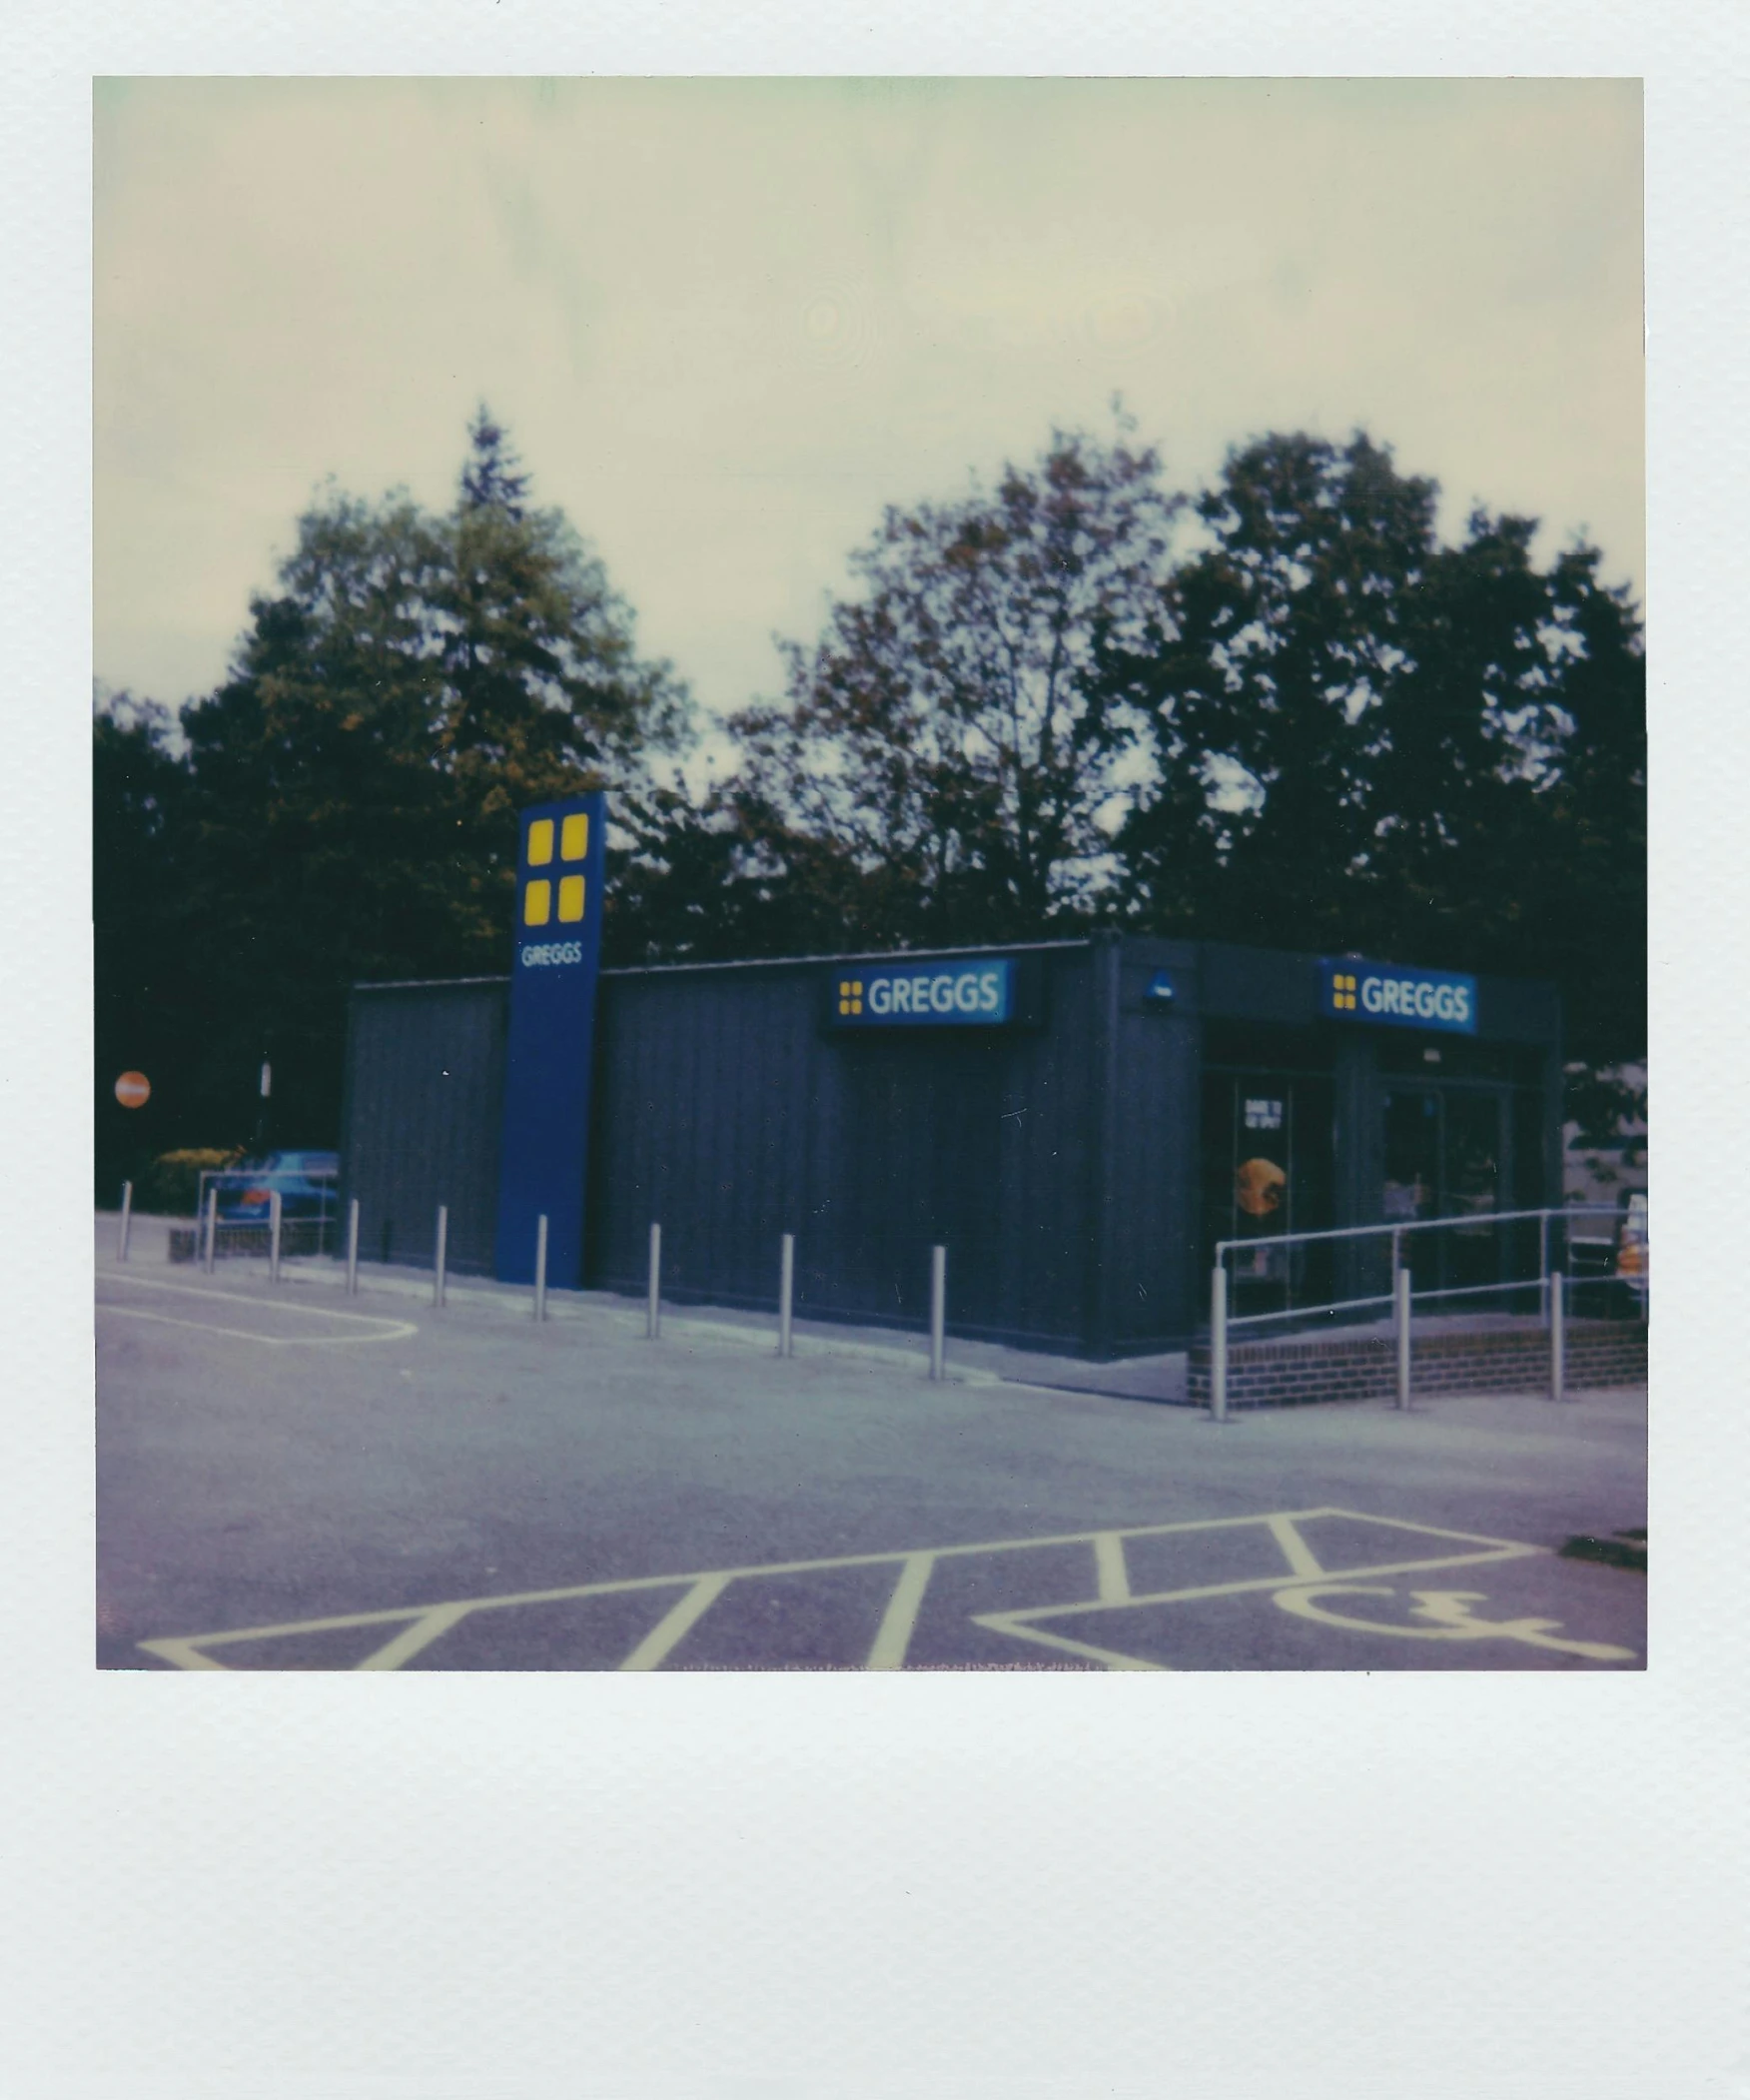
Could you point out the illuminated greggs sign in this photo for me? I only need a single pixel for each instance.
(978, 992)
(1392, 996)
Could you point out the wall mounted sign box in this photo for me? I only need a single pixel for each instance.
(1387, 995)
(1076, 1141)
(978, 991)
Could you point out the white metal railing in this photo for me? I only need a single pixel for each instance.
(1553, 1283)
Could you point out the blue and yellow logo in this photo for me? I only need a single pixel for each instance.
(538, 890)
(1399, 995)
(850, 995)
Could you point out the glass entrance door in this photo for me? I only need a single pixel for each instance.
(1267, 1174)
(1444, 1148)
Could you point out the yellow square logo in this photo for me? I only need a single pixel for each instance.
(574, 842)
(570, 899)
(540, 841)
(537, 898)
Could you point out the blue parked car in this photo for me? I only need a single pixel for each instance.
(307, 1182)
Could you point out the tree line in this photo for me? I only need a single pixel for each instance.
(1278, 711)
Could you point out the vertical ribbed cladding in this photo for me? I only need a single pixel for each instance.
(726, 1101)
(1157, 1174)
(424, 1100)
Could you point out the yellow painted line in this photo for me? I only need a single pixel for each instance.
(1034, 1612)
(182, 1654)
(894, 1634)
(1402, 1524)
(998, 1621)
(424, 1630)
(183, 1649)
(277, 1305)
(391, 1333)
(387, 1330)
(1111, 1574)
(662, 1638)
(1298, 1554)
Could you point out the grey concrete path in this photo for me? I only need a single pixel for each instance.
(1161, 1378)
(290, 1479)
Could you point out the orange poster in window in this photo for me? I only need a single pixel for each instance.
(1259, 1186)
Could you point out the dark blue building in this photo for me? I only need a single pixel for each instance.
(1079, 1123)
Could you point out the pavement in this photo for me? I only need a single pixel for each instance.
(291, 1478)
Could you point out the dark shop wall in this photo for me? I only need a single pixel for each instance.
(423, 1103)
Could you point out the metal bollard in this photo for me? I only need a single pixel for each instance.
(654, 1303)
(127, 1219)
(938, 1313)
(273, 1215)
(441, 1258)
(1557, 1336)
(212, 1228)
(353, 1247)
(787, 1294)
(1219, 1343)
(1404, 1295)
(540, 1267)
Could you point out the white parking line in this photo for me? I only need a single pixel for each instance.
(383, 1330)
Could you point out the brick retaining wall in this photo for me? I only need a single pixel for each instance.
(1306, 1368)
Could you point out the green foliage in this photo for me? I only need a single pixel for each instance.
(170, 1184)
(949, 738)
(344, 806)
(1318, 726)
(1322, 727)
(1366, 739)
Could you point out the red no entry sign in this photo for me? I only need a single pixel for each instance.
(133, 1089)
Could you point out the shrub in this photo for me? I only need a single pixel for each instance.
(171, 1186)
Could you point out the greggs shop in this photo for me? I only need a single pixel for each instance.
(1078, 1122)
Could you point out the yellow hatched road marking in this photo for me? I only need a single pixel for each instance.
(997, 1622)
(1110, 1573)
(656, 1647)
(425, 1624)
(424, 1630)
(1296, 1551)
(894, 1634)
(387, 1330)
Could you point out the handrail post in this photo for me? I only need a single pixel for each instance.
(1557, 1337)
(1219, 1341)
(440, 1257)
(938, 1312)
(1543, 1266)
(353, 1247)
(787, 1294)
(540, 1230)
(1403, 1294)
(653, 1299)
(212, 1227)
(273, 1215)
(127, 1219)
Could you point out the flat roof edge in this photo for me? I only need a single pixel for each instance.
(775, 962)
(425, 984)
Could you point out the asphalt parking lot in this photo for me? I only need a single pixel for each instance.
(292, 1480)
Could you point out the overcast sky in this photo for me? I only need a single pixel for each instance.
(726, 322)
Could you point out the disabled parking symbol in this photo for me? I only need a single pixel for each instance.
(1445, 1616)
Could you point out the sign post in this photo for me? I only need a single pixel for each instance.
(560, 865)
